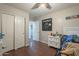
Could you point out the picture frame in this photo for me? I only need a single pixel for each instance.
(47, 24)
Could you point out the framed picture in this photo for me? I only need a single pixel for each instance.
(47, 24)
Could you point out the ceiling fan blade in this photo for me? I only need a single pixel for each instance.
(36, 6)
(48, 6)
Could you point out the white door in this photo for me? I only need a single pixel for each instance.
(19, 32)
(30, 31)
(34, 30)
(37, 30)
(7, 29)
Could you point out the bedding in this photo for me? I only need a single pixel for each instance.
(71, 49)
(75, 38)
(70, 45)
(73, 45)
(68, 51)
(71, 38)
(67, 38)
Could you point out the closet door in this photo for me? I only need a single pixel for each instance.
(0, 23)
(8, 30)
(19, 32)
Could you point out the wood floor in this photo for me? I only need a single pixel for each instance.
(35, 49)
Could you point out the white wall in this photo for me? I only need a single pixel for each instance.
(6, 9)
(59, 21)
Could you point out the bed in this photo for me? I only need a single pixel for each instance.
(70, 41)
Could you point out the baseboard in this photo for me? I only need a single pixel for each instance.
(27, 45)
(43, 42)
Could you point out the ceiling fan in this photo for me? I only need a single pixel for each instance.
(42, 5)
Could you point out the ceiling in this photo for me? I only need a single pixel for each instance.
(41, 11)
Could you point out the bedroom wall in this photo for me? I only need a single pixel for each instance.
(59, 21)
(0, 23)
(7, 9)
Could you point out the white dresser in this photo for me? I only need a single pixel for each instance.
(54, 41)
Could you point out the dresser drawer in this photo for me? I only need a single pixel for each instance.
(54, 42)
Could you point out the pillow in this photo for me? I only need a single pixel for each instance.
(67, 38)
(75, 45)
(71, 38)
(75, 39)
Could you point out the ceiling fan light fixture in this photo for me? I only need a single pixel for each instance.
(41, 5)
